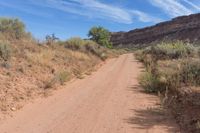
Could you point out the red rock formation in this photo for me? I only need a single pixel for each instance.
(180, 28)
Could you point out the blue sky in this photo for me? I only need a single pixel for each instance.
(68, 18)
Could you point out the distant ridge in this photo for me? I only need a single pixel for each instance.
(185, 28)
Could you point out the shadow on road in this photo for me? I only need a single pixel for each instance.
(147, 119)
(151, 116)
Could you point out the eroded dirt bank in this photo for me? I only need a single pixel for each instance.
(108, 101)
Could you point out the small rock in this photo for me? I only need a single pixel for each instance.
(13, 109)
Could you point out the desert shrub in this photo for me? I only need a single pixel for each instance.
(12, 28)
(43, 58)
(172, 50)
(75, 43)
(169, 72)
(148, 60)
(86, 46)
(50, 39)
(139, 55)
(5, 51)
(171, 81)
(91, 46)
(50, 83)
(79, 56)
(95, 49)
(172, 76)
(63, 77)
(190, 72)
(60, 77)
(103, 56)
(151, 83)
(154, 80)
(177, 74)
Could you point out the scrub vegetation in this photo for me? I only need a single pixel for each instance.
(30, 68)
(173, 70)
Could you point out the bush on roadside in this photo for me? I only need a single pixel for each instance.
(75, 43)
(60, 77)
(190, 72)
(185, 74)
(91, 46)
(152, 83)
(12, 28)
(175, 73)
(172, 50)
(86, 46)
(50, 83)
(139, 54)
(63, 77)
(95, 49)
(174, 70)
(5, 51)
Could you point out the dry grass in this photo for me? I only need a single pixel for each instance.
(78, 55)
(173, 70)
(28, 68)
(44, 57)
(36, 70)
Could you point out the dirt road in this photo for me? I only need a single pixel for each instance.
(108, 101)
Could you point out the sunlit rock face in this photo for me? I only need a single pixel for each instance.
(186, 28)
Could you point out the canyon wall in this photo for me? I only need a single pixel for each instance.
(185, 28)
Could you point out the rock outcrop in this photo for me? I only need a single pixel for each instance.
(180, 28)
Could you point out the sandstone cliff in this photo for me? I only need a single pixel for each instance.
(180, 28)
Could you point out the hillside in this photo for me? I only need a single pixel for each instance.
(181, 28)
(31, 69)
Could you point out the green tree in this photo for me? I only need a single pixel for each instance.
(100, 35)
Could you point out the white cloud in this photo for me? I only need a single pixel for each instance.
(192, 4)
(97, 9)
(172, 7)
(143, 17)
(23, 7)
(106, 11)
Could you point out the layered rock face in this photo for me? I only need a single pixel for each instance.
(180, 28)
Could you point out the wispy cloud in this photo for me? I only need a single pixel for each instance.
(173, 7)
(97, 9)
(143, 17)
(192, 4)
(23, 7)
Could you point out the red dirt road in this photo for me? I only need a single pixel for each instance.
(108, 101)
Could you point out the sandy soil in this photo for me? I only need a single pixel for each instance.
(108, 101)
